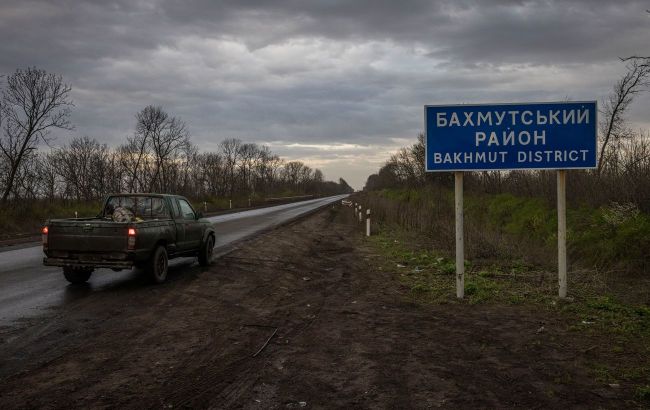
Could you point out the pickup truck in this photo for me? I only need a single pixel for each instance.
(132, 230)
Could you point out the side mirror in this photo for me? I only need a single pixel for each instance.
(199, 215)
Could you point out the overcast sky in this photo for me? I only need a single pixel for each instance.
(337, 84)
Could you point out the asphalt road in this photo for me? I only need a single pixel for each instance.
(27, 287)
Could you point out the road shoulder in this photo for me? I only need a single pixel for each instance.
(299, 316)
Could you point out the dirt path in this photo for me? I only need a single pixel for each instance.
(345, 336)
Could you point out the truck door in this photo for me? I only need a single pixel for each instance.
(193, 229)
(179, 221)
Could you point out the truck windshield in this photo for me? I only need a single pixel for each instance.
(130, 208)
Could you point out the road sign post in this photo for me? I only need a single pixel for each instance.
(555, 135)
(561, 232)
(460, 246)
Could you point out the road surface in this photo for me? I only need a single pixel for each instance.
(27, 287)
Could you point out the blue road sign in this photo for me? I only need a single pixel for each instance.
(510, 136)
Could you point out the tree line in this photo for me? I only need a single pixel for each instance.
(158, 157)
(622, 176)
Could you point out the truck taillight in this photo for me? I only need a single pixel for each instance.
(130, 244)
(44, 233)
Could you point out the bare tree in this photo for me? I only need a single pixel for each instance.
(32, 103)
(84, 166)
(166, 136)
(231, 149)
(615, 106)
(132, 159)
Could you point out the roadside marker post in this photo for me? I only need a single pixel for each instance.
(230, 201)
(205, 206)
(494, 137)
(368, 222)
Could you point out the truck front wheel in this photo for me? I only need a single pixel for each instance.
(158, 265)
(77, 275)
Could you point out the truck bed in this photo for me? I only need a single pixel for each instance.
(101, 241)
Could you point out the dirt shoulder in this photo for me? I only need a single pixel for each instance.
(341, 333)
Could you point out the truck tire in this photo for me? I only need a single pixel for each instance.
(77, 276)
(205, 254)
(158, 265)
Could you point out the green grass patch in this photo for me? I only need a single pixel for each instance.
(431, 273)
(643, 392)
(429, 276)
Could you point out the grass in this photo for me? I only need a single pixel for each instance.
(432, 273)
(594, 310)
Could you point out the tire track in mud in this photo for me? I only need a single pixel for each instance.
(224, 387)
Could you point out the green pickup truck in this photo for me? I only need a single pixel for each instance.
(132, 230)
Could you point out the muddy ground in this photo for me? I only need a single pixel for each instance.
(340, 334)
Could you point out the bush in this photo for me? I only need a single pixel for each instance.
(614, 236)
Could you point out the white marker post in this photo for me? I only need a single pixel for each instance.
(230, 203)
(561, 232)
(460, 247)
(368, 222)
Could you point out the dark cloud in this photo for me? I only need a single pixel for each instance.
(333, 72)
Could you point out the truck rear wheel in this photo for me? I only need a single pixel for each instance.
(158, 265)
(205, 254)
(77, 275)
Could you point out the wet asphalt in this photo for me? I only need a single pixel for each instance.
(27, 288)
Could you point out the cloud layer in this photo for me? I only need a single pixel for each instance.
(339, 84)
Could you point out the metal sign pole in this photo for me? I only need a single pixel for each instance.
(561, 232)
(460, 248)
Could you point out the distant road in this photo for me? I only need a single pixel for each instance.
(27, 287)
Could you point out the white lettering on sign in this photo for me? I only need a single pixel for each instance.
(552, 155)
(584, 115)
(469, 157)
(546, 156)
(468, 119)
(484, 118)
(441, 119)
(510, 138)
(514, 117)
